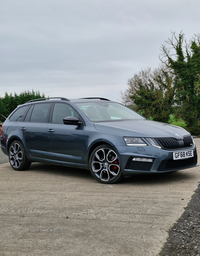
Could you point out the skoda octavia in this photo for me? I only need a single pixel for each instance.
(97, 134)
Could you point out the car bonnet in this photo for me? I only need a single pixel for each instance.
(141, 128)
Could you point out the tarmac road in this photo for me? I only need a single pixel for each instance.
(53, 210)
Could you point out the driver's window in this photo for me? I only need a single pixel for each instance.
(60, 111)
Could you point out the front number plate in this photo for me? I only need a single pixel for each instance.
(183, 154)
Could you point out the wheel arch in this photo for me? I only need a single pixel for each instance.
(98, 143)
(11, 139)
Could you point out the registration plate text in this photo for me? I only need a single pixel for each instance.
(183, 154)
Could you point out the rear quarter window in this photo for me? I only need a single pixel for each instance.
(18, 114)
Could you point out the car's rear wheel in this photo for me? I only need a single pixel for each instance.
(105, 165)
(17, 156)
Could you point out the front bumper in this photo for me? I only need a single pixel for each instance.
(160, 160)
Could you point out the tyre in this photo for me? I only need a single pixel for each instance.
(17, 156)
(104, 165)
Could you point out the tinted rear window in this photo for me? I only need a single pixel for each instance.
(18, 114)
(40, 113)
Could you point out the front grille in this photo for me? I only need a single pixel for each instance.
(175, 164)
(173, 143)
(169, 143)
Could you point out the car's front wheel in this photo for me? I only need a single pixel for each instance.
(105, 165)
(17, 156)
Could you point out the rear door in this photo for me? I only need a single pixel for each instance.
(35, 130)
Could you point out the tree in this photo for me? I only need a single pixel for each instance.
(183, 59)
(10, 102)
(151, 93)
(2, 111)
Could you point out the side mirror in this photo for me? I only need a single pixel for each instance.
(71, 120)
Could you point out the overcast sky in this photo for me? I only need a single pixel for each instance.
(79, 48)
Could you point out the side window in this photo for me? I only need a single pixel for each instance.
(28, 115)
(62, 110)
(40, 113)
(18, 114)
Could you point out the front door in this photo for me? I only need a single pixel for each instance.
(67, 143)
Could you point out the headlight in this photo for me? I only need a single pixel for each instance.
(153, 142)
(133, 141)
(193, 141)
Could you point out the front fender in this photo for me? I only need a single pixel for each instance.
(112, 140)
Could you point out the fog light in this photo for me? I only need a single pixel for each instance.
(139, 159)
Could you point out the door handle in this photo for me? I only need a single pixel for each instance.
(23, 128)
(51, 130)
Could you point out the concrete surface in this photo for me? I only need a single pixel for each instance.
(3, 157)
(52, 210)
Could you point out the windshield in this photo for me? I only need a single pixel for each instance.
(107, 111)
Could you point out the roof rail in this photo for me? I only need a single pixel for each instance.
(49, 98)
(95, 98)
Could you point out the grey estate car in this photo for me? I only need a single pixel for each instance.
(97, 134)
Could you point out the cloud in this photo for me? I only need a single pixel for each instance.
(86, 47)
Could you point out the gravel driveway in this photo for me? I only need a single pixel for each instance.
(184, 236)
